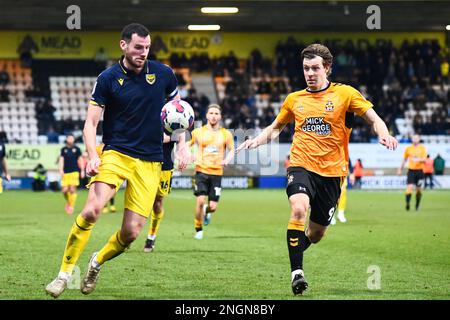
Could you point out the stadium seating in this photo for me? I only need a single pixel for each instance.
(407, 104)
(17, 116)
(251, 91)
(70, 96)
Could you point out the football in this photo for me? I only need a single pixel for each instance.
(177, 114)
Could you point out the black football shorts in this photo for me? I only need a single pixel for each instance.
(323, 192)
(208, 185)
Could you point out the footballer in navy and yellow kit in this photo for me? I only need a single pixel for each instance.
(165, 183)
(69, 170)
(415, 155)
(323, 114)
(130, 95)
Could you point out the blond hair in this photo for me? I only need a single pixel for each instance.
(214, 105)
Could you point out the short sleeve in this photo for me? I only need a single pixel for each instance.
(286, 115)
(78, 152)
(358, 103)
(172, 85)
(62, 152)
(406, 153)
(100, 92)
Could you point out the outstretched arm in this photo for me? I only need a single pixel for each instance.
(269, 133)
(380, 129)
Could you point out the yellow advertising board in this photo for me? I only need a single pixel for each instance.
(27, 157)
(84, 44)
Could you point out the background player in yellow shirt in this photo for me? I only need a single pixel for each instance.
(323, 114)
(212, 141)
(69, 170)
(415, 154)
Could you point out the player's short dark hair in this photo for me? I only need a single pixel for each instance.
(319, 50)
(213, 105)
(129, 30)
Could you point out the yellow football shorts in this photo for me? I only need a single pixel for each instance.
(142, 179)
(1, 185)
(164, 183)
(70, 179)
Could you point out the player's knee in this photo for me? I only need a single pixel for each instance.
(128, 236)
(92, 210)
(158, 205)
(299, 210)
(201, 201)
(212, 207)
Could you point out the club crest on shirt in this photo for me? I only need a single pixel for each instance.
(300, 108)
(151, 78)
(329, 106)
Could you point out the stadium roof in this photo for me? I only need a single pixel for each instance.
(259, 15)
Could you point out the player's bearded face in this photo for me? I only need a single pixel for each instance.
(213, 116)
(136, 50)
(315, 73)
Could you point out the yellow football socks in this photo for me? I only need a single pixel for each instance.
(76, 242)
(155, 221)
(72, 198)
(343, 199)
(112, 249)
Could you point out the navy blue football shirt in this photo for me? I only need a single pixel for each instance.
(132, 108)
(71, 156)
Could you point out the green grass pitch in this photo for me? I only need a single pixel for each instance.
(243, 254)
